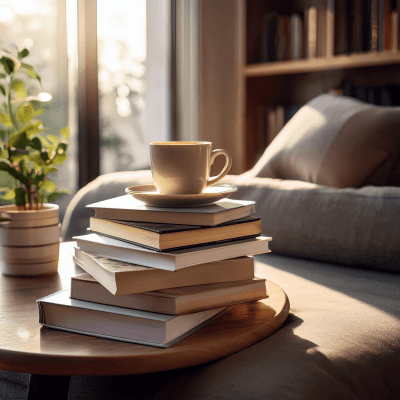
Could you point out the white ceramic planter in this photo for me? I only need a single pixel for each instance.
(30, 242)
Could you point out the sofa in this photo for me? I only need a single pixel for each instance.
(336, 254)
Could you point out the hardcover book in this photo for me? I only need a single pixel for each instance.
(174, 259)
(127, 208)
(122, 278)
(170, 236)
(175, 301)
(59, 311)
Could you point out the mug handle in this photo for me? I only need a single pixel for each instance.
(225, 170)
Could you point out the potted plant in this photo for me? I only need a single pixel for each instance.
(29, 226)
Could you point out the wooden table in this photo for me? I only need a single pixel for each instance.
(52, 356)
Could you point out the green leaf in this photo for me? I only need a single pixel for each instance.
(59, 159)
(33, 129)
(65, 132)
(8, 65)
(25, 113)
(10, 195)
(23, 53)
(31, 72)
(48, 185)
(22, 141)
(49, 170)
(5, 119)
(39, 111)
(2, 76)
(52, 138)
(3, 90)
(36, 143)
(20, 196)
(55, 195)
(19, 88)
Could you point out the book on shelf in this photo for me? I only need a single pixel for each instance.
(330, 28)
(129, 209)
(373, 25)
(322, 29)
(171, 236)
(341, 33)
(310, 32)
(356, 26)
(59, 311)
(282, 37)
(121, 278)
(174, 259)
(394, 38)
(174, 301)
(296, 36)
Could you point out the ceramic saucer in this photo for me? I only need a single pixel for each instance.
(150, 196)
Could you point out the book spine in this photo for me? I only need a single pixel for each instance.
(330, 28)
(394, 38)
(373, 18)
(381, 25)
(296, 36)
(280, 118)
(355, 27)
(310, 32)
(322, 31)
(271, 125)
(271, 52)
(341, 36)
(388, 24)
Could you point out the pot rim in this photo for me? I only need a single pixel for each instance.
(11, 209)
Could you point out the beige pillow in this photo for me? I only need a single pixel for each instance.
(336, 141)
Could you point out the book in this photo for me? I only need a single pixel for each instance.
(121, 278)
(279, 118)
(322, 29)
(296, 39)
(174, 259)
(282, 38)
(381, 25)
(330, 28)
(394, 38)
(310, 32)
(127, 208)
(373, 24)
(341, 34)
(356, 26)
(170, 236)
(59, 311)
(174, 301)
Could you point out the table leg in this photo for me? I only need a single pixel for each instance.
(48, 387)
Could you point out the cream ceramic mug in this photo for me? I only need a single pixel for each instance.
(184, 167)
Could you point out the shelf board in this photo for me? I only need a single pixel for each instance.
(369, 59)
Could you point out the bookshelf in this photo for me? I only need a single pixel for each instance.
(255, 85)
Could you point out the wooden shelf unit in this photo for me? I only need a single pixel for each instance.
(234, 89)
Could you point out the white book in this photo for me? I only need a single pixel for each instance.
(171, 260)
(127, 208)
(59, 311)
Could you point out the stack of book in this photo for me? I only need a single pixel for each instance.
(155, 275)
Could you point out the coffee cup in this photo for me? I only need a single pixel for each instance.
(184, 167)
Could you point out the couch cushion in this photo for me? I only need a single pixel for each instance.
(336, 141)
(358, 227)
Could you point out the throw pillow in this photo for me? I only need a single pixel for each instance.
(336, 141)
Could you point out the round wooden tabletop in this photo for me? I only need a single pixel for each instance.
(27, 347)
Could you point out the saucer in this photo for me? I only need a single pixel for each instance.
(150, 196)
